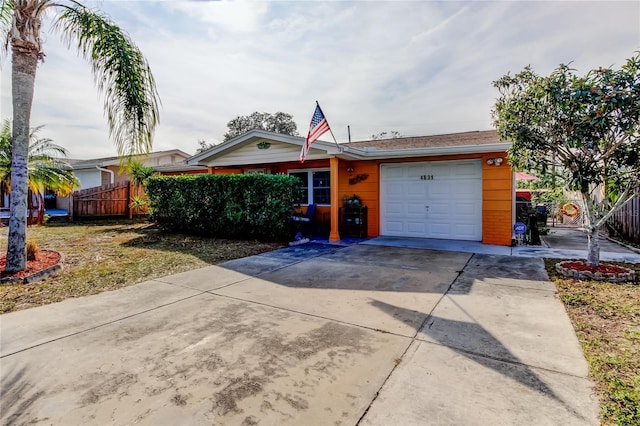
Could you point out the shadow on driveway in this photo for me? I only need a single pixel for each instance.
(520, 372)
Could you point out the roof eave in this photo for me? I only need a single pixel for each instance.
(215, 151)
(118, 161)
(426, 152)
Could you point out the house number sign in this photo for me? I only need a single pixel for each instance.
(426, 177)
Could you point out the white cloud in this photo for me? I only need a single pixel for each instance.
(415, 67)
(233, 16)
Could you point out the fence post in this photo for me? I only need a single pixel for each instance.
(129, 209)
(70, 207)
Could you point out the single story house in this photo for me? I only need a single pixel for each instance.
(454, 186)
(104, 171)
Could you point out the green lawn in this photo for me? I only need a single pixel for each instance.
(606, 318)
(106, 256)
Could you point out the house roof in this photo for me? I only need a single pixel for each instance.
(77, 164)
(433, 141)
(254, 136)
(447, 144)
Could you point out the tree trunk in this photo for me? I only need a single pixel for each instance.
(593, 256)
(40, 220)
(24, 65)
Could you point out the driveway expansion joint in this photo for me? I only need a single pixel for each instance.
(293, 311)
(413, 339)
(542, 290)
(500, 359)
(205, 291)
(75, 333)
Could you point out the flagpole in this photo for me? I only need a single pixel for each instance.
(331, 131)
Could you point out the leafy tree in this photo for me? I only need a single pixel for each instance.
(47, 168)
(387, 135)
(203, 146)
(584, 130)
(121, 73)
(279, 122)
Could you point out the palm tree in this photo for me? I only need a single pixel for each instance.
(47, 168)
(120, 71)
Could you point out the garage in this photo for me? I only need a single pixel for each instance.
(435, 199)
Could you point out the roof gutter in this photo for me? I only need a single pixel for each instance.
(418, 152)
(111, 172)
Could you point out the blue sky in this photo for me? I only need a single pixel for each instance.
(415, 67)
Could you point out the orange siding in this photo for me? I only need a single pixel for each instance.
(312, 164)
(184, 172)
(368, 189)
(497, 184)
(497, 193)
(225, 171)
(497, 190)
(120, 174)
(497, 203)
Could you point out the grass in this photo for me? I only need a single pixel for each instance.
(606, 318)
(106, 256)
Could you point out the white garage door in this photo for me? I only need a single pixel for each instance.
(438, 199)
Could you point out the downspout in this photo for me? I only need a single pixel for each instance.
(111, 172)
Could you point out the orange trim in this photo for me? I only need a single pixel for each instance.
(184, 172)
(334, 235)
(497, 201)
(227, 171)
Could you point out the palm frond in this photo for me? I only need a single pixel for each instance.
(6, 20)
(47, 167)
(5, 151)
(121, 73)
(51, 176)
(46, 147)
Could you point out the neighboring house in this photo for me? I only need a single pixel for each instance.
(454, 186)
(103, 171)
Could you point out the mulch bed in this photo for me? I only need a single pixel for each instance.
(602, 272)
(46, 259)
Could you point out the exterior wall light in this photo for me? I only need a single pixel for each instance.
(495, 161)
(263, 145)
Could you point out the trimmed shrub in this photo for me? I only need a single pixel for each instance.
(255, 206)
(32, 250)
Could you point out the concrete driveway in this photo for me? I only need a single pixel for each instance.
(310, 335)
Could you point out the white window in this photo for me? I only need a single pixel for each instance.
(315, 185)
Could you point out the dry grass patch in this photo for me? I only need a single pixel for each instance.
(108, 256)
(606, 318)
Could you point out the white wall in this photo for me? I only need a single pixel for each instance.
(63, 203)
(88, 178)
(164, 160)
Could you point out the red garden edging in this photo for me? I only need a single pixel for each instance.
(604, 272)
(34, 272)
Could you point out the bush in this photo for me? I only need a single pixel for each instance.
(230, 206)
(32, 250)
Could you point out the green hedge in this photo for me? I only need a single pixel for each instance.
(253, 206)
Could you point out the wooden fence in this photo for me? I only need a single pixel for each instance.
(626, 221)
(112, 200)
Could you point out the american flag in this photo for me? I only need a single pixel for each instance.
(317, 128)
